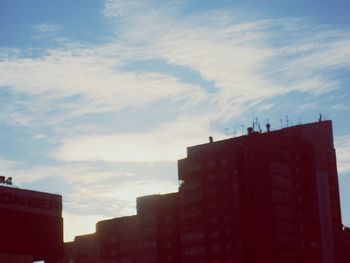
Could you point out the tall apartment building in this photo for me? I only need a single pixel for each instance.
(264, 197)
(271, 196)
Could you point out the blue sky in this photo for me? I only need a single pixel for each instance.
(99, 99)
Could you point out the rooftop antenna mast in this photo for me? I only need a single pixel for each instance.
(257, 124)
(281, 121)
(226, 131)
(253, 121)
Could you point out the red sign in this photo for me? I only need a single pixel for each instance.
(30, 201)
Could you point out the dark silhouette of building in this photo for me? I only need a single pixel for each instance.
(31, 226)
(119, 239)
(84, 249)
(159, 220)
(150, 236)
(343, 247)
(264, 197)
(270, 195)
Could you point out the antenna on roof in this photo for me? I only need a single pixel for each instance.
(257, 124)
(234, 131)
(226, 131)
(253, 121)
(281, 121)
(287, 120)
(320, 117)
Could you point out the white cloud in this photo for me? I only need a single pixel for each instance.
(237, 57)
(167, 142)
(245, 60)
(342, 145)
(93, 191)
(47, 28)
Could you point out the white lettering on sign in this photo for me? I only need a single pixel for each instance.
(30, 201)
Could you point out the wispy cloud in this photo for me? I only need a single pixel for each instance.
(342, 146)
(47, 28)
(240, 58)
(93, 191)
(167, 142)
(243, 62)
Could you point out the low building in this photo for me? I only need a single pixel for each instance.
(31, 225)
(343, 247)
(83, 249)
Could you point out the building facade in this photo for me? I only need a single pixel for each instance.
(32, 226)
(269, 196)
(252, 197)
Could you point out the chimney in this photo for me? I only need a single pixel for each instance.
(250, 130)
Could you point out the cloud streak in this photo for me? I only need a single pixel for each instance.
(240, 63)
(342, 146)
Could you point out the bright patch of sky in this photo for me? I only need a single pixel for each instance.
(99, 99)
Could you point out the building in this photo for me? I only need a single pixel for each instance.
(343, 247)
(266, 196)
(119, 239)
(83, 249)
(270, 195)
(159, 221)
(151, 236)
(32, 226)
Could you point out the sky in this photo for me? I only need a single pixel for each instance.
(99, 99)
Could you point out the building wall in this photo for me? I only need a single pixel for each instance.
(119, 240)
(160, 227)
(265, 197)
(320, 135)
(32, 224)
(242, 200)
(84, 249)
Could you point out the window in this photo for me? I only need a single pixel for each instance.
(215, 248)
(213, 220)
(211, 177)
(211, 164)
(214, 234)
(192, 236)
(114, 252)
(194, 250)
(113, 239)
(195, 167)
(212, 191)
(223, 162)
(149, 244)
(125, 248)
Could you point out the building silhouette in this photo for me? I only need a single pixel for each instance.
(270, 195)
(31, 226)
(263, 197)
